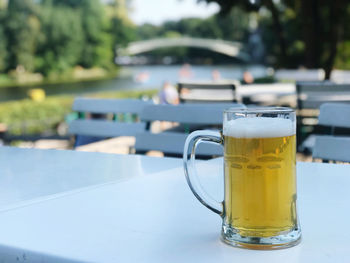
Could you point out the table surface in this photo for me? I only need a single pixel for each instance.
(27, 175)
(156, 218)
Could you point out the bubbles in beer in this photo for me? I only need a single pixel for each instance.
(260, 175)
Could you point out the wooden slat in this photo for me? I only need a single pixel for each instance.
(211, 114)
(321, 87)
(200, 96)
(208, 85)
(312, 94)
(109, 105)
(316, 104)
(335, 114)
(171, 143)
(207, 91)
(332, 148)
(103, 128)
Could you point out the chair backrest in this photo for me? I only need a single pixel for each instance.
(191, 92)
(335, 115)
(299, 75)
(207, 114)
(172, 142)
(109, 105)
(330, 147)
(311, 95)
(104, 127)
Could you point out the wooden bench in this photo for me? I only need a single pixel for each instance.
(310, 96)
(207, 92)
(103, 121)
(331, 147)
(190, 117)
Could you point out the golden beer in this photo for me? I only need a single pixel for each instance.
(259, 206)
(260, 183)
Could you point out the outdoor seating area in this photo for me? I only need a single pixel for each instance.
(133, 155)
(148, 126)
(333, 147)
(183, 119)
(174, 131)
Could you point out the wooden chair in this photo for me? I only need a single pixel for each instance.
(330, 147)
(190, 117)
(207, 92)
(310, 96)
(107, 111)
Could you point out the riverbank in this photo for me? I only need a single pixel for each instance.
(32, 117)
(127, 80)
(75, 75)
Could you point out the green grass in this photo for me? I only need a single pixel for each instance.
(5, 80)
(70, 76)
(30, 117)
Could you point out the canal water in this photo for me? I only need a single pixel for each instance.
(140, 77)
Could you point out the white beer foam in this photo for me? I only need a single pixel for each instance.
(259, 127)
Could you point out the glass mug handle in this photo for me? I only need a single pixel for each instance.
(192, 141)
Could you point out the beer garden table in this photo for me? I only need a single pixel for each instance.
(65, 206)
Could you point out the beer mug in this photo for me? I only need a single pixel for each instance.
(259, 206)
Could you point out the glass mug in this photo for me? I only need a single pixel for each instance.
(259, 207)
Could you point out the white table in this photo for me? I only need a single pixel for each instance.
(155, 218)
(27, 175)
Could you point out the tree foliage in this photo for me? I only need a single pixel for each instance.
(3, 50)
(233, 26)
(62, 39)
(53, 36)
(320, 28)
(22, 30)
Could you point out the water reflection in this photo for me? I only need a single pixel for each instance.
(156, 75)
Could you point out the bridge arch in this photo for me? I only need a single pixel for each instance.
(228, 48)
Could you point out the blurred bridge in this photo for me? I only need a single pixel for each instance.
(228, 48)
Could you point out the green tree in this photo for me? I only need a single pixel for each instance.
(120, 9)
(71, 3)
(121, 28)
(92, 22)
(3, 41)
(61, 44)
(321, 23)
(96, 47)
(234, 26)
(254, 6)
(197, 27)
(22, 31)
(122, 32)
(149, 31)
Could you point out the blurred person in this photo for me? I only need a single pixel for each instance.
(248, 77)
(142, 77)
(215, 75)
(185, 72)
(168, 94)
